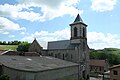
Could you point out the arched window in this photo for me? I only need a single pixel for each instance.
(55, 55)
(75, 32)
(63, 56)
(84, 32)
(71, 56)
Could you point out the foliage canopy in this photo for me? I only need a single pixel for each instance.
(111, 54)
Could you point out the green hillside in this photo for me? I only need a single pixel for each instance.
(111, 54)
(8, 47)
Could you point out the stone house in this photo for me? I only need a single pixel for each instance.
(115, 72)
(98, 66)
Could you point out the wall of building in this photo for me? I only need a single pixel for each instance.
(59, 74)
(64, 54)
(55, 74)
(77, 55)
(0, 69)
(113, 76)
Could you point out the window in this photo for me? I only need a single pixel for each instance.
(63, 57)
(84, 32)
(71, 56)
(80, 31)
(100, 69)
(84, 46)
(55, 55)
(75, 32)
(115, 72)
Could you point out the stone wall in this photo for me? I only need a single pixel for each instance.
(68, 73)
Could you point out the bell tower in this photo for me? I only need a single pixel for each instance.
(78, 30)
(79, 39)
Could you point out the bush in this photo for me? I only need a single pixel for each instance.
(4, 77)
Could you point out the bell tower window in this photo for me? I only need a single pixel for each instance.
(75, 32)
(84, 32)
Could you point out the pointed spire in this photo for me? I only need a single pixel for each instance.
(78, 19)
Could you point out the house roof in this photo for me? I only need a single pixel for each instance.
(78, 20)
(1, 51)
(4, 52)
(95, 62)
(65, 44)
(34, 64)
(35, 42)
(115, 66)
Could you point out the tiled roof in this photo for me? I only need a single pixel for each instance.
(78, 19)
(94, 62)
(115, 66)
(64, 44)
(2, 52)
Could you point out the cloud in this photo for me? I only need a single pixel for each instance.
(3, 32)
(47, 36)
(6, 25)
(96, 40)
(44, 36)
(103, 5)
(22, 33)
(47, 9)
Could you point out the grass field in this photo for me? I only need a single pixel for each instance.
(8, 47)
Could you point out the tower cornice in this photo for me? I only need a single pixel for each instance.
(78, 23)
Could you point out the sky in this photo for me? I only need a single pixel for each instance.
(48, 20)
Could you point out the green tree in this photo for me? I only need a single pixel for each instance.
(4, 77)
(23, 47)
(4, 43)
(111, 54)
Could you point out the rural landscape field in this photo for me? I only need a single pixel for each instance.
(8, 47)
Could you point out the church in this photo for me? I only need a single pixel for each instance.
(75, 50)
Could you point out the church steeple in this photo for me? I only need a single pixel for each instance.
(78, 29)
(78, 19)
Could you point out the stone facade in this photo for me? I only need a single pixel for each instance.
(74, 50)
(69, 73)
(35, 47)
(115, 72)
(77, 50)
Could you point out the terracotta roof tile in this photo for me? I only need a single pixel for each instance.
(115, 66)
(97, 62)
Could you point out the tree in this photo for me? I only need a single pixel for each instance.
(111, 54)
(4, 43)
(4, 77)
(23, 47)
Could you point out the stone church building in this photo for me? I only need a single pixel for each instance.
(74, 50)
